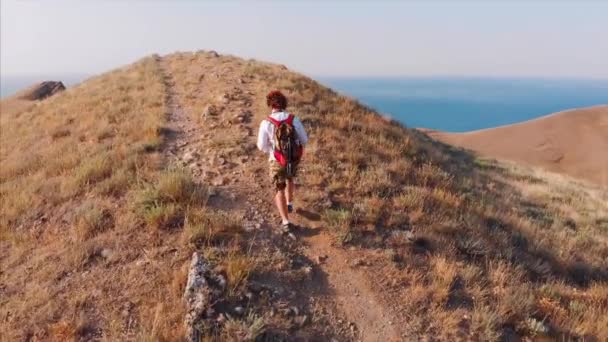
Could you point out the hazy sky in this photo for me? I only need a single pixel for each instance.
(321, 38)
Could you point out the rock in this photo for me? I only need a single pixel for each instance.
(220, 181)
(209, 313)
(221, 281)
(245, 116)
(196, 296)
(224, 98)
(406, 235)
(43, 90)
(237, 119)
(321, 258)
(570, 223)
(220, 318)
(327, 203)
(360, 262)
(217, 161)
(208, 175)
(255, 287)
(190, 156)
(212, 192)
(213, 54)
(393, 255)
(210, 110)
(106, 253)
(537, 326)
(307, 270)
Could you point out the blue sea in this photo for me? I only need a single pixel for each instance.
(465, 104)
(448, 104)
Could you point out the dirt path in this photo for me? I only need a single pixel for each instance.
(351, 290)
(335, 284)
(180, 125)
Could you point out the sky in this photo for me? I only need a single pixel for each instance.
(319, 38)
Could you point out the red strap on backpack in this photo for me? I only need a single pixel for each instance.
(278, 123)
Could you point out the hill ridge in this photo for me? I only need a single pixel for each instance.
(568, 142)
(401, 236)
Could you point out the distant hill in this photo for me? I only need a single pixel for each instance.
(572, 142)
(110, 187)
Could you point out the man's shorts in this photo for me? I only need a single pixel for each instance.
(279, 176)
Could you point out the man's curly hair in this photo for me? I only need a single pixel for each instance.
(276, 100)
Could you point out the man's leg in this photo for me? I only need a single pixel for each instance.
(281, 203)
(289, 190)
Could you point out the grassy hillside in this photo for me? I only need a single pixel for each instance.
(72, 167)
(98, 222)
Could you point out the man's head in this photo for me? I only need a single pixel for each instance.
(276, 100)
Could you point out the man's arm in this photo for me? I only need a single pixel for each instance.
(264, 144)
(302, 137)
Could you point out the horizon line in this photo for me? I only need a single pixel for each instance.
(4, 76)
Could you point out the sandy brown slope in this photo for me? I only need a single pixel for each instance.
(573, 142)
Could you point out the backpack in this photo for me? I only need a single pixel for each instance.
(287, 151)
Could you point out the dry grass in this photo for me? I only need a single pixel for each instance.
(483, 246)
(497, 250)
(70, 164)
(473, 221)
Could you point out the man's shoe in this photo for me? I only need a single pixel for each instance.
(290, 208)
(286, 227)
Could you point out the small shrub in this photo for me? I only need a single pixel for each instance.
(93, 170)
(117, 185)
(60, 132)
(238, 267)
(247, 329)
(81, 254)
(211, 226)
(485, 323)
(63, 331)
(482, 163)
(91, 221)
(106, 133)
(178, 186)
(163, 203)
(339, 220)
(163, 215)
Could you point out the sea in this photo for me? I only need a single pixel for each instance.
(453, 104)
(466, 104)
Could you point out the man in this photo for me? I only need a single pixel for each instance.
(274, 135)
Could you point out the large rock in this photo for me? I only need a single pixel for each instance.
(198, 296)
(43, 90)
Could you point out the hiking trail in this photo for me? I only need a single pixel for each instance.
(335, 290)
